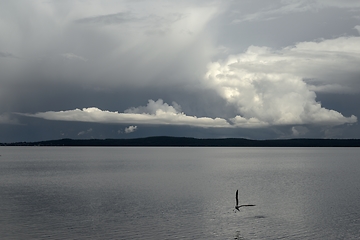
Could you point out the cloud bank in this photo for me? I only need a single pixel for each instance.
(156, 112)
(259, 107)
(268, 87)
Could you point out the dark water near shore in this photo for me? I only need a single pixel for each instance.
(179, 193)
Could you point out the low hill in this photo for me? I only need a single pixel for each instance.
(194, 142)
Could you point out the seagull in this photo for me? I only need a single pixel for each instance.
(237, 206)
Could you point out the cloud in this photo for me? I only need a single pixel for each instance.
(357, 28)
(72, 56)
(276, 9)
(116, 18)
(339, 3)
(84, 132)
(158, 113)
(268, 88)
(7, 119)
(299, 131)
(154, 107)
(273, 13)
(155, 23)
(130, 129)
(7, 55)
(117, 54)
(331, 88)
(165, 40)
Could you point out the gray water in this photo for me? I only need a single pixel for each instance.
(179, 193)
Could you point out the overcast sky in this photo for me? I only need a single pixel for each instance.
(256, 69)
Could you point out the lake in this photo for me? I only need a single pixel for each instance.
(179, 193)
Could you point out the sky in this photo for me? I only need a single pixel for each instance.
(254, 69)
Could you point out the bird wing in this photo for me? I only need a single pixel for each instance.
(237, 197)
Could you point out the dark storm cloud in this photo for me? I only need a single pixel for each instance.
(288, 67)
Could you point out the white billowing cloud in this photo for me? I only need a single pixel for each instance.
(156, 107)
(72, 56)
(268, 86)
(154, 113)
(130, 129)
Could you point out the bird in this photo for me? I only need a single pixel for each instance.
(237, 206)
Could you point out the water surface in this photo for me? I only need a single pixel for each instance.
(179, 193)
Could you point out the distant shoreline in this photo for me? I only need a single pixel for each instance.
(164, 141)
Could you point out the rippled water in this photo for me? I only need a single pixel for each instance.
(179, 193)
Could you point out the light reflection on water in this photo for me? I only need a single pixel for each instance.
(179, 193)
